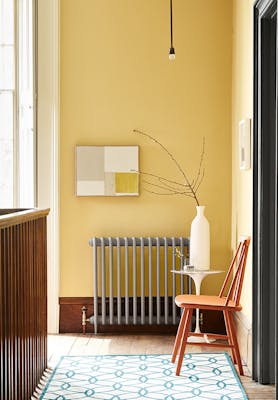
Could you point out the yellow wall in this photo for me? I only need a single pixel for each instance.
(116, 76)
(242, 106)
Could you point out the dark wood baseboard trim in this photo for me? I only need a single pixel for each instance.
(83, 301)
(71, 319)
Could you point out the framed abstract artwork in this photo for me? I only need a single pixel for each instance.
(107, 170)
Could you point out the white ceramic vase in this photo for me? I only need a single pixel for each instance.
(200, 241)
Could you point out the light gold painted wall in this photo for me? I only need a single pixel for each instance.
(242, 106)
(116, 76)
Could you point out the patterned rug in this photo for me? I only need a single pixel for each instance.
(204, 376)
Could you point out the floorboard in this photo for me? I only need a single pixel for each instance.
(90, 344)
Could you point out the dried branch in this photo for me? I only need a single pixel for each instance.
(201, 161)
(169, 190)
(187, 188)
(165, 182)
(197, 187)
(160, 178)
(167, 185)
(167, 194)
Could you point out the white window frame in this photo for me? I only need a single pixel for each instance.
(25, 196)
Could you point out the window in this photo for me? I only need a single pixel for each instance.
(17, 122)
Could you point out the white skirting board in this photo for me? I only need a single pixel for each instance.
(244, 337)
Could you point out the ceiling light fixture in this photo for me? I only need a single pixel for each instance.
(171, 50)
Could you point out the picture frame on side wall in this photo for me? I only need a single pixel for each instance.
(245, 144)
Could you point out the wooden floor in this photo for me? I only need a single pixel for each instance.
(89, 344)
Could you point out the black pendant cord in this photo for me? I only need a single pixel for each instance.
(171, 23)
(171, 50)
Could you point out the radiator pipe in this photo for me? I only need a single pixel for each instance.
(84, 310)
(85, 319)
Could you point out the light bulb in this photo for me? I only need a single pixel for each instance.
(172, 55)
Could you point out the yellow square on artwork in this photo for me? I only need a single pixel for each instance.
(126, 182)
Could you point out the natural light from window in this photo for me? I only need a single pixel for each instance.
(7, 93)
(17, 134)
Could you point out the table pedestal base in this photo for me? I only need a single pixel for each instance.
(199, 339)
(196, 339)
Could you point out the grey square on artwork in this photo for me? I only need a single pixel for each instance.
(90, 161)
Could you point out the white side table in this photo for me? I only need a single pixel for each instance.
(197, 276)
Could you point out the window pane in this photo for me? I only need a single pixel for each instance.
(17, 148)
(26, 101)
(6, 22)
(6, 67)
(26, 170)
(6, 149)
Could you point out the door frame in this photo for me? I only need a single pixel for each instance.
(48, 144)
(264, 344)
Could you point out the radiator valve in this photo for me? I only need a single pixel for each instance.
(84, 319)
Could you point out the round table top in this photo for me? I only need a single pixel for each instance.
(196, 271)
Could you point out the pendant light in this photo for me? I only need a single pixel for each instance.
(171, 50)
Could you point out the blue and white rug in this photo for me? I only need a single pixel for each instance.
(204, 376)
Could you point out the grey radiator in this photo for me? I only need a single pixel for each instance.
(132, 280)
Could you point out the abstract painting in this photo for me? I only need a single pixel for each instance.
(107, 170)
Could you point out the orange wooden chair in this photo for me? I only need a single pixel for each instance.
(228, 304)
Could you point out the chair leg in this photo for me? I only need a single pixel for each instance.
(229, 334)
(184, 339)
(235, 343)
(178, 336)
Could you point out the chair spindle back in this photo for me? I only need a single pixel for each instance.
(238, 263)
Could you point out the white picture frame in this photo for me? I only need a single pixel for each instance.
(245, 144)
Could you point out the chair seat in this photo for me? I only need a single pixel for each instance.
(205, 302)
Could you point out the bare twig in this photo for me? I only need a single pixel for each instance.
(168, 186)
(197, 187)
(169, 190)
(160, 177)
(187, 188)
(201, 162)
(168, 194)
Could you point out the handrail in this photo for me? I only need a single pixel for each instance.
(10, 217)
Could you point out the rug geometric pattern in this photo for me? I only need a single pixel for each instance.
(204, 376)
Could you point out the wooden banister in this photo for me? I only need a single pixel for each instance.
(23, 306)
